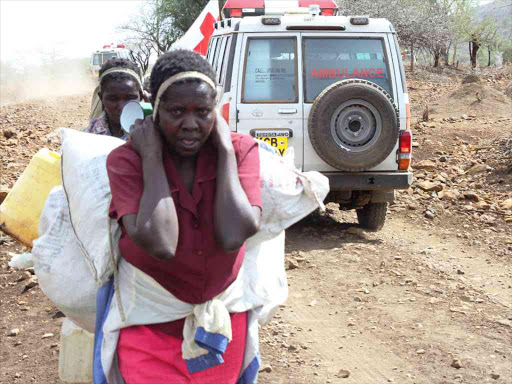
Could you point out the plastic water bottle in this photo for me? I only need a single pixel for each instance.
(76, 350)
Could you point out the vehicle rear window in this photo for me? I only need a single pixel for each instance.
(329, 60)
(270, 71)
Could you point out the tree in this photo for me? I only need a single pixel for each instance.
(491, 41)
(184, 12)
(483, 33)
(461, 13)
(159, 24)
(140, 53)
(153, 26)
(420, 24)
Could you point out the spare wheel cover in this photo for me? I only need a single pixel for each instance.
(353, 125)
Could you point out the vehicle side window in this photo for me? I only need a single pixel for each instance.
(229, 64)
(400, 61)
(212, 50)
(96, 59)
(270, 73)
(216, 54)
(209, 49)
(225, 59)
(220, 59)
(328, 60)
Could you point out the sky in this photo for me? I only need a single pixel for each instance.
(30, 29)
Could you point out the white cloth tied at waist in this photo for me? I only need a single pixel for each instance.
(261, 286)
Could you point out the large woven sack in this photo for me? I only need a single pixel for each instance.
(85, 182)
(60, 265)
(288, 195)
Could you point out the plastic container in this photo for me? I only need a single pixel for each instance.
(76, 351)
(21, 209)
(132, 111)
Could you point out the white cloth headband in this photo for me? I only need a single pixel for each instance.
(122, 70)
(173, 79)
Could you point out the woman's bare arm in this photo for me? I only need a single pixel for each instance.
(235, 219)
(155, 226)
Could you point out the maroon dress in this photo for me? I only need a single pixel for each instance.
(199, 271)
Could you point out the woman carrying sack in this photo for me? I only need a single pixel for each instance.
(186, 192)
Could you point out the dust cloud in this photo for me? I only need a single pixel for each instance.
(62, 78)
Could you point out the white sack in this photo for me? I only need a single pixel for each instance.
(60, 265)
(288, 195)
(85, 181)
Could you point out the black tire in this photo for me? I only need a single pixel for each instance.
(372, 216)
(353, 125)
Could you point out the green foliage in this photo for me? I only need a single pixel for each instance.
(184, 12)
(507, 52)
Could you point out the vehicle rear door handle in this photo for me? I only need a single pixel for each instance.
(287, 111)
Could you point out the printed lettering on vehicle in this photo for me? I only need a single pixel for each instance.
(344, 73)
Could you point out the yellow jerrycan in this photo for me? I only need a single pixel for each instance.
(21, 209)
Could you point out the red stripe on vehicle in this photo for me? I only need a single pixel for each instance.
(206, 29)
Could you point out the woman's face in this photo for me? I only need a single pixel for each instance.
(186, 117)
(115, 94)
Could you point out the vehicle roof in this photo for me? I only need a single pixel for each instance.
(107, 50)
(270, 3)
(254, 24)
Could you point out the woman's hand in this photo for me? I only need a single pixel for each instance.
(145, 138)
(221, 133)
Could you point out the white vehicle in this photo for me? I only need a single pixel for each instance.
(333, 87)
(109, 51)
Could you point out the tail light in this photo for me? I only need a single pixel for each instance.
(404, 150)
(225, 112)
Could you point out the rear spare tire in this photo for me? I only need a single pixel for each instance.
(353, 125)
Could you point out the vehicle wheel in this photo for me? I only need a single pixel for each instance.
(372, 216)
(353, 125)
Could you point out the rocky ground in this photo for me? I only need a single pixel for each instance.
(426, 300)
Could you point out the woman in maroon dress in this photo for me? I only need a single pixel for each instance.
(186, 192)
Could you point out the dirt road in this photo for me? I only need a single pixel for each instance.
(422, 301)
(397, 306)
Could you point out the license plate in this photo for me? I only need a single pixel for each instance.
(277, 139)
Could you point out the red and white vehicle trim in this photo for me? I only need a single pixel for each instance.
(240, 8)
(198, 35)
